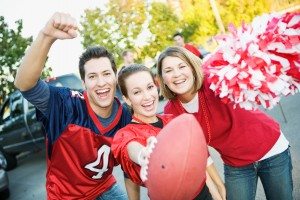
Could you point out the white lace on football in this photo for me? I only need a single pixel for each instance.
(144, 156)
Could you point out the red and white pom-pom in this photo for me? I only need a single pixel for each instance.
(258, 63)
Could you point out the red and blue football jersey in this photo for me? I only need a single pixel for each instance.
(79, 158)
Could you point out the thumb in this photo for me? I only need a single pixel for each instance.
(72, 33)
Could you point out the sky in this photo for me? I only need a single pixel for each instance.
(64, 54)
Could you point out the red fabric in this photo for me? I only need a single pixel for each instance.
(240, 136)
(72, 152)
(138, 133)
(192, 49)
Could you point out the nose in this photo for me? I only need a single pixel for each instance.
(101, 81)
(176, 72)
(147, 95)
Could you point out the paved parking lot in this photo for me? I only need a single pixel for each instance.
(27, 181)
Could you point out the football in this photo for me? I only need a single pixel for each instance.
(177, 165)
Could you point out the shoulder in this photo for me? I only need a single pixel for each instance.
(64, 92)
(169, 107)
(191, 46)
(128, 132)
(166, 117)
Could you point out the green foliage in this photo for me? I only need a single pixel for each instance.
(120, 25)
(115, 28)
(12, 49)
(199, 24)
(198, 21)
(162, 26)
(237, 12)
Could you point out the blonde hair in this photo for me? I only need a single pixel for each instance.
(192, 61)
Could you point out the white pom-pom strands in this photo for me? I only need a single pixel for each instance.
(258, 63)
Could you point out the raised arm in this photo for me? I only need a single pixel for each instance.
(60, 26)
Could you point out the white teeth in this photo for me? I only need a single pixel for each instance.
(148, 104)
(102, 91)
(179, 81)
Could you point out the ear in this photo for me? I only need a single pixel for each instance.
(127, 101)
(83, 84)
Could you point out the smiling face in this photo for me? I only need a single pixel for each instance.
(142, 96)
(178, 76)
(100, 84)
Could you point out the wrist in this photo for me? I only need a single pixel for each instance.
(46, 38)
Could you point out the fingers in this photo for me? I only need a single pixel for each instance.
(143, 158)
(64, 22)
(151, 141)
(61, 26)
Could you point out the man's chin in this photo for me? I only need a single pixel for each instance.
(105, 103)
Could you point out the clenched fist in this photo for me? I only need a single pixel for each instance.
(61, 26)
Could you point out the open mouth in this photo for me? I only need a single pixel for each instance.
(103, 93)
(148, 106)
(180, 82)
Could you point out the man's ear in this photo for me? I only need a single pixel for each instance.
(83, 84)
(127, 101)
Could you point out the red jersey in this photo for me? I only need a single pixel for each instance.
(193, 49)
(138, 133)
(240, 136)
(79, 158)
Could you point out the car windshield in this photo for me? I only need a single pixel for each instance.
(71, 81)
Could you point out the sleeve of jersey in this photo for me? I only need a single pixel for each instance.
(59, 112)
(119, 148)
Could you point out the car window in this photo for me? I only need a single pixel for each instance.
(30, 106)
(5, 112)
(71, 81)
(17, 105)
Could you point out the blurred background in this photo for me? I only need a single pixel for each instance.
(146, 27)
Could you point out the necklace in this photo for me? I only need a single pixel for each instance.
(202, 111)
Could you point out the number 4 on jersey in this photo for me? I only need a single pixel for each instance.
(105, 150)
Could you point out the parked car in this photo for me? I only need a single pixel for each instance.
(4, 183)
(19, 129)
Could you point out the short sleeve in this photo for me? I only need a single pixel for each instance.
(119, 149)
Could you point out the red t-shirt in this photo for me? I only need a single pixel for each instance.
(240, 136)
(138, 133)
(193, 49)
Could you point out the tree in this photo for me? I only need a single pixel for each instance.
(239, 11)
(198, 22)
(162, 26)
(12, 49)
(116, 27)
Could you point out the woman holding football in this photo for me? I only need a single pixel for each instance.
(130, 143)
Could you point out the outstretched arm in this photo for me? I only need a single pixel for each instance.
(60, 26)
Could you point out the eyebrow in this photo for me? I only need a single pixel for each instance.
(106, 71)
(177, 65)
(139, 88)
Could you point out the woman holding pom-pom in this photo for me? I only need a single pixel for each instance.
(250, 142)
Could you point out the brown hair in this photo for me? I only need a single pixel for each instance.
(127, 71)
(192, 61)
(95, 52)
